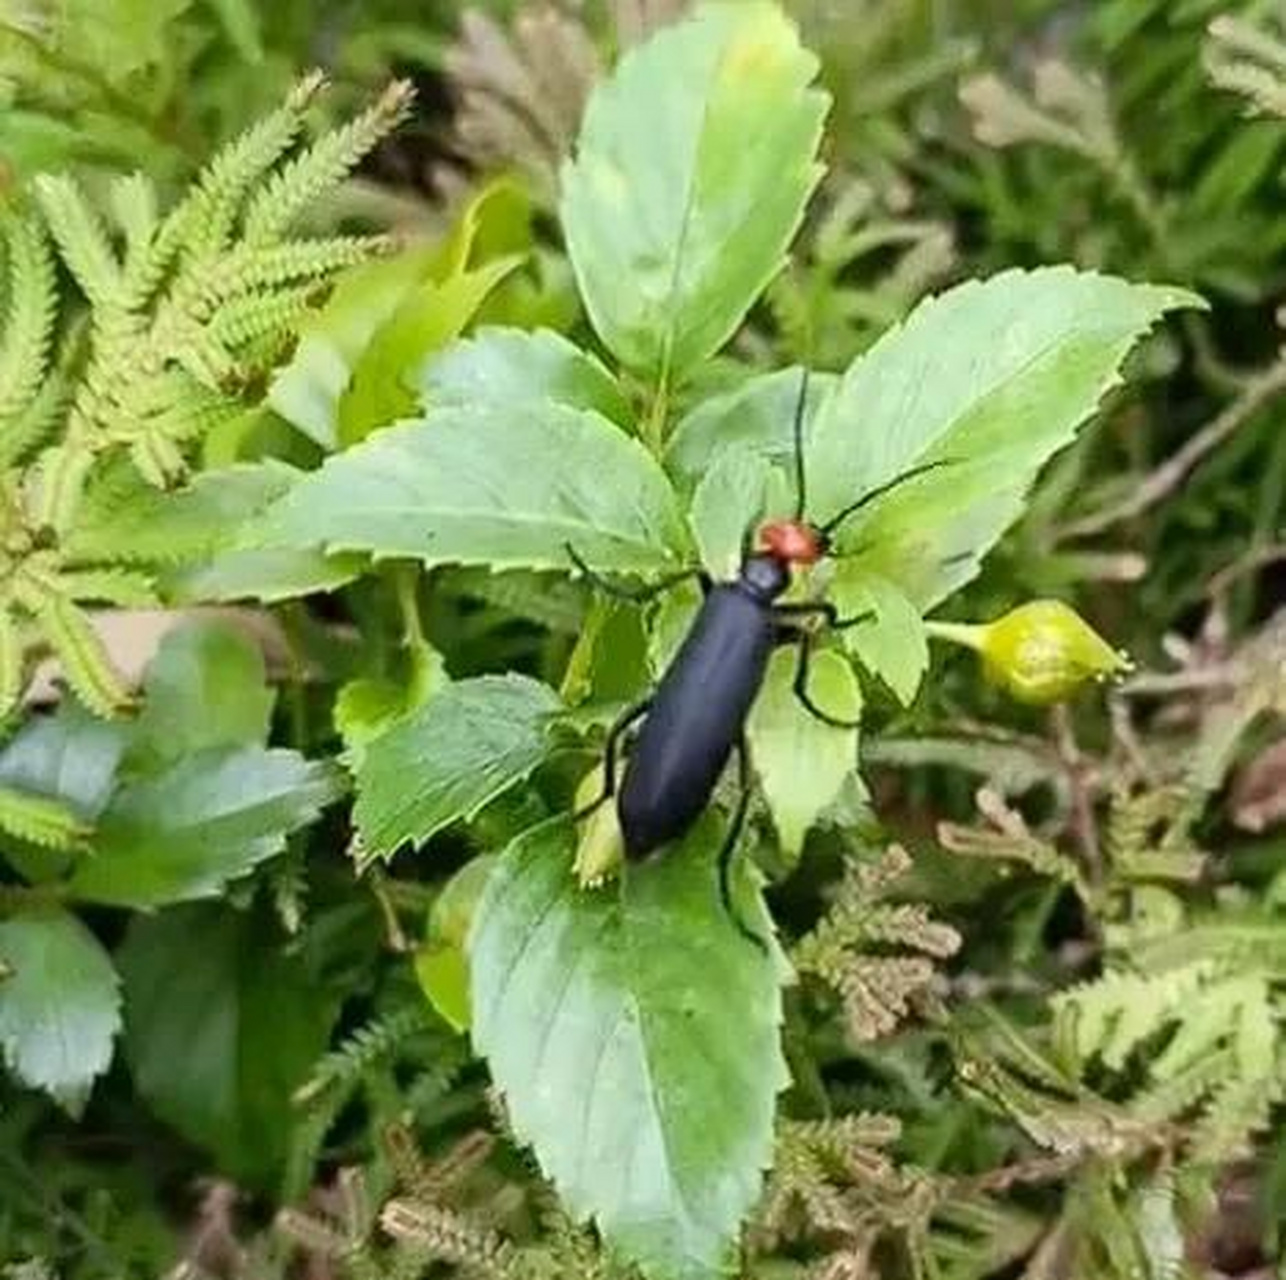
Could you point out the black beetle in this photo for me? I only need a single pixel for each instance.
(696, 717)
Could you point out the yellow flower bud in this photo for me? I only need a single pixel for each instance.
(1040, 653)
(601, 848)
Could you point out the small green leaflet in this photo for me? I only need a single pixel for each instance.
(733, 499)
(488, 485)
(516, 368)
(307, 391)
(635, 1035)
(426, 320)
(756, 417)
(352, 370)
(802, 762)
(59, 1004)
(185, 832)
(206, 687)
(442, 963)
(893, 645)
(124, 517)
(269, 574)
(69, 756)
(674, 223)
(444, 762)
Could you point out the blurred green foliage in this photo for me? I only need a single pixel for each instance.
(1092, 1085)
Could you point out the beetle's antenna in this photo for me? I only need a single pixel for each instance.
(800, 491)
(879, 491)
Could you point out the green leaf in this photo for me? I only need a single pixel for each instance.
(802, 762)
(459, 751)
(993, 378)
(694, 165)
(119, 36)
(212, 990)
(442, 963)
(428, 318)
(307, 391)
(893, 645)
(69, 760)
(732, 499)
(59, 1004)
(69, 756)
(514, 368)
(756, 417)
(205, 820)
(268, 574)
(123, 517)
(485, 485)
(365, 708)
(205, 688)
(635, 1035)
(443, 974)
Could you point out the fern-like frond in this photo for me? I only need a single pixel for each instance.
(247, 320)
(82, 655)
(446, 1235)
(834, 1179)
(373, 1044)
(22, 435)
(29, 319)
(877, 990)
(247, 268)
(1007, 838)
(1112, 1016)
(125, 588)
(1239, 1108)
(1248, 60)
(134, 208)
(82, 239)
(12, 664)
(202, 225)
(40, 820)
(1076, 1125)
(299, 183)
(1148, 836)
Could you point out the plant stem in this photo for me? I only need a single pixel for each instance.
(20, 897)
(658, 411)
(406, 587)
(968, 634)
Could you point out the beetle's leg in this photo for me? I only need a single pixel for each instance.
(633, 595)
(735, 827)
(611, 750)
(800, 688)
(823, 609)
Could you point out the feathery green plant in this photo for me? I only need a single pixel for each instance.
(185, 315)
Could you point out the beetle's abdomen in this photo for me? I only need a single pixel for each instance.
(696, 718)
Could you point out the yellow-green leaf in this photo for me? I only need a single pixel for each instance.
(694, 164)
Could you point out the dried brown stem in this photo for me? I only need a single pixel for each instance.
(1170, 474)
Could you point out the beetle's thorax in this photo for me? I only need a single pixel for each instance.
(764, 577)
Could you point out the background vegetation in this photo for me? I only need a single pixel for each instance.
(1038, 1029)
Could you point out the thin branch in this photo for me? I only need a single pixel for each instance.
(1080, 779)
(1172, 473)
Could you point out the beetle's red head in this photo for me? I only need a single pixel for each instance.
(792, 542)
